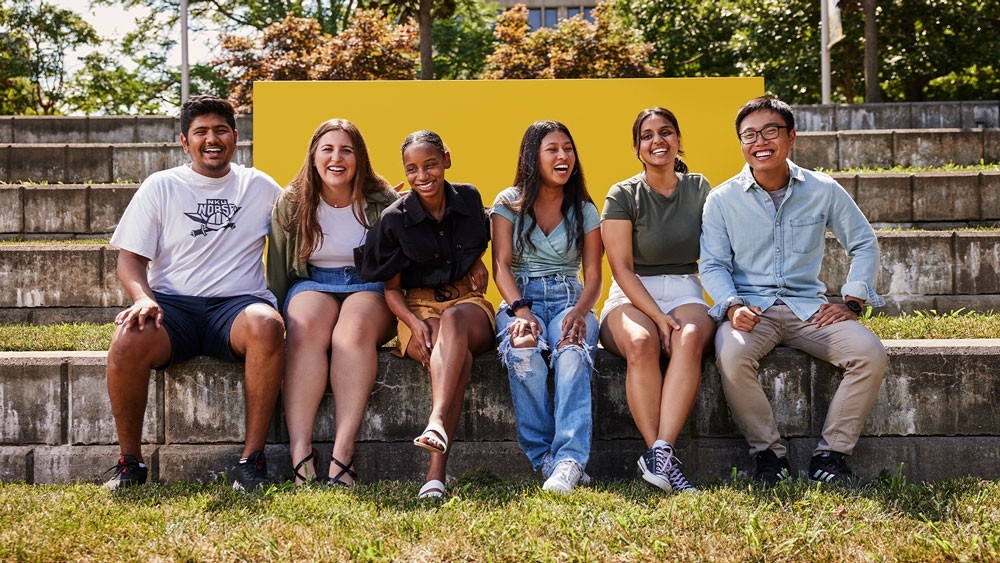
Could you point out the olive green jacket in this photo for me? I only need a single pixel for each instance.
(283, 266)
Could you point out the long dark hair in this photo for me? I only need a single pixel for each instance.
(528, 181)
(304, 191)
(679, 165)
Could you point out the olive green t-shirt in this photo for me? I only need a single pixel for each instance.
(665, 230)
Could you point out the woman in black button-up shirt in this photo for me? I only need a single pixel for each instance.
(427, 247)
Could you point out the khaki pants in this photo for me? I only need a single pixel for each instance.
(847, 344)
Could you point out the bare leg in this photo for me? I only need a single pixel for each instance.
(258, 335)
(310, 321)
(629, 333)
(683, 377)
(365, 322)
(133, 354)
(461, 332)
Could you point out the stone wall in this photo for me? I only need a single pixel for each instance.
(983, 114)
(935, 417)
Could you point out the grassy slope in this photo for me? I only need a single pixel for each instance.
(504, 521)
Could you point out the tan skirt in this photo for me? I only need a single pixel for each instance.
(423, 301)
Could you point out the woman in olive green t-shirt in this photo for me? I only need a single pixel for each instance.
(650, 226)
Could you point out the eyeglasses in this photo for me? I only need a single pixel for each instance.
(749, 136)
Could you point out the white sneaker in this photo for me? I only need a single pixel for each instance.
(565, 476)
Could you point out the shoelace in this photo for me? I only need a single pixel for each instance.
(677, 479)
(664, 460)
(122, 467)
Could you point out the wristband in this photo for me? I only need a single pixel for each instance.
(513, 307)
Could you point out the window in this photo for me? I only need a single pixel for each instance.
(535, 18)
(588, 14)
(551, 17)
(570, 12)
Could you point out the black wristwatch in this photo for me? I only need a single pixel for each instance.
(513, 307)
(854, 307)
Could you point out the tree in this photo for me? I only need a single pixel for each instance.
(937, 49)
(34, 39)
(371, 48)
(575, 48)
(425, 12)
(690, 37)
(232, 16)
(462, 42)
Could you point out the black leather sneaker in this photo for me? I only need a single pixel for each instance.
(831, 467)
(771, 469)
(250, 473)
(128, 473)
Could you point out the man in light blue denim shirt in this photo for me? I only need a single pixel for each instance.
(762, 246)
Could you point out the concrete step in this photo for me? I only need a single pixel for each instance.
(928, 200)
(132, 162)
(937, 405)
(902, 115)
(897, 147)
(101, 129)
(920, 270)
(975, 114)
(101, 163)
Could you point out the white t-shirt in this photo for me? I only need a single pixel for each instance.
(342, 233)
(204, 237)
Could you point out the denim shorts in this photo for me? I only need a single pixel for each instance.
(670, 291)
(200, 326)
(341, 282)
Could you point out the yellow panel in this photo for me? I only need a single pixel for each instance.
(482, 123)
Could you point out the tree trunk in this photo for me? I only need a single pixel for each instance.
(426, 46)
(871, 54)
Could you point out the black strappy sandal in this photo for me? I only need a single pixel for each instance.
(336, 480)
(305, 480)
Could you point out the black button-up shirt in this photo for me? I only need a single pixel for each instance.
(409, 241)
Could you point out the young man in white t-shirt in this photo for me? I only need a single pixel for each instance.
(191, 243)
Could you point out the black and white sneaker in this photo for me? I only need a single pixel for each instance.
(250, 473)
(831, 467)
(128, 473)
(678, 481)
(771, 469)
(655, 466)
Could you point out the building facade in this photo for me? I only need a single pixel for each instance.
(546, 13)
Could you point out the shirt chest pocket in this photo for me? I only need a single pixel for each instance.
(807, 233)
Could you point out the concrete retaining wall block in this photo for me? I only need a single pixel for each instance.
(989, 195)
(946, 196)
(817, 150)
(886, 198)
(107, 204)
(37, 163)
(133, 163)
(58, 276)
(31, 400)
(53, 209)
(864, 149)
(977, 262)
(921, 147)
(991, 145)
(11, 209)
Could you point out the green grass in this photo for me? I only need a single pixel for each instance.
(981, 167)
(489, 520)
(76, 337)
(929, 324)
(77, 241)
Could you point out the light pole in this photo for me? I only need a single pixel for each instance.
(185, 81)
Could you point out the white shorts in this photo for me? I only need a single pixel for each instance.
(669, 292)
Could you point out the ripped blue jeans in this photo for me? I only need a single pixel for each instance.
(560, 425)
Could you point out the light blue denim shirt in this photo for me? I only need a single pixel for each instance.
(753, 254)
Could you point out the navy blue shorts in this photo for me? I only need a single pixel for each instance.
(200, 326)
